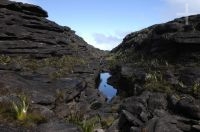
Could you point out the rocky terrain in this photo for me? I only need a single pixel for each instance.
(48, 74)
(49, 77)
(156, 71)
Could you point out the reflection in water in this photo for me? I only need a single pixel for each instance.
(105, 88)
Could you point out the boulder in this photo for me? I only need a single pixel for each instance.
(164, 124)
(127, 120)
(189, 107)
(157, 101)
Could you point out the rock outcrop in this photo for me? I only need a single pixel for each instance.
(172, 40)
(26, 31)
(47, 68)
(156, 71)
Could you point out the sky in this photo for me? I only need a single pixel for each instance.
(104, 23)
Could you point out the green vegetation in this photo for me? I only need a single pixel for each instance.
(155, 67)
(137, 59)
(22, 113)
(105, 123)
(21, 108)
(111, 59)
(4, 59)
(196, 89)
(86, 124)
(155, 82)
(61, 65)
(60, 95)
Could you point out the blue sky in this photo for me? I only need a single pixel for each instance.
(104, 23)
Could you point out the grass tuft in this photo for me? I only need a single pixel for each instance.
(21, 108)
(86, 124)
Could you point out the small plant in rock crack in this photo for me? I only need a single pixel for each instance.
(4, 59)
(21, 108)
(196, 89)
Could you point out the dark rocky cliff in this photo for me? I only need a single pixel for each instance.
(47, 68)
(172, 39)
(26, 31)
(156, 71)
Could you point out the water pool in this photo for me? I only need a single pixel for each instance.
(108, 90)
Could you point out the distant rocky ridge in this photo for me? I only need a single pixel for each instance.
(26, 31)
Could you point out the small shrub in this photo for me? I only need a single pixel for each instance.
(31, 65)
(196, 89)
(75, 118)
(60, 95)
(87, 125)
(4, 60)
(107, 122)
(58, 74)
(21, 108)
(155, 82)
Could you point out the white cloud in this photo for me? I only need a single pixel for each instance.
(24, 1)
(107, 41)
(102, 38)
(180, 5)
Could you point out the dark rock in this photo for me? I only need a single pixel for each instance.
(114, 127)
(157, 101)
(167, 28)
(172, 101)
(184, 127)
(169, 52)
(188, 28)
(42, 111)
(63, 110)
(127, 120)
(171, 78)
(24, 8)
(40, 98)
(7, 128)
(27, 35)
(57, 126)
(69, 88)
(96, 105)
(135, 129)
(160, 113)
(190, 75)
(134, 105)
(93, 95)
(169, 40)
(196, 128)
(189, 107)
(198, 27)
(130, 118)
(31, 34)
(164, 124)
